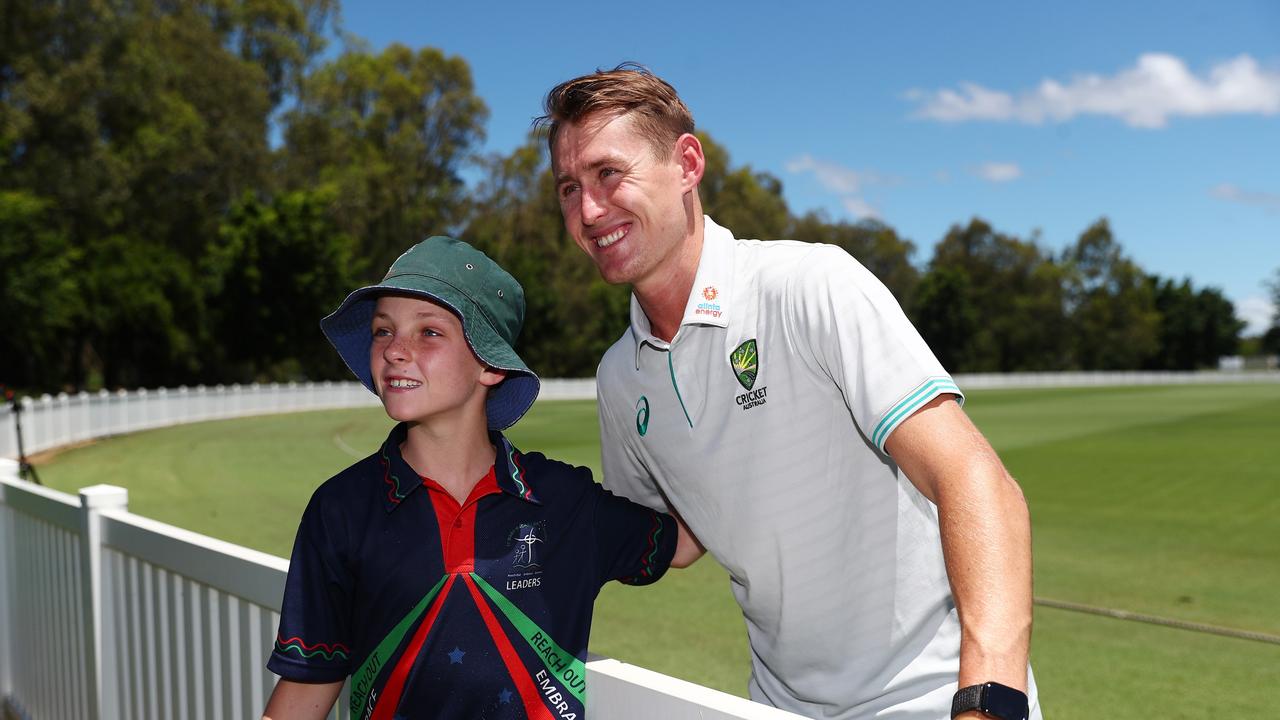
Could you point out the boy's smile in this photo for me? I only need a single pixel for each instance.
(422, 366)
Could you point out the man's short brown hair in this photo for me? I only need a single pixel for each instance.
(659, 114)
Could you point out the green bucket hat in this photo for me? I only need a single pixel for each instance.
(488, 300)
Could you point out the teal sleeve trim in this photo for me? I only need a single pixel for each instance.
(931, 389)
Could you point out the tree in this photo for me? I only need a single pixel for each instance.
(1196, 327)
(994, 300)
(387, 134)
(275, 270)
(39, 293)
(747, 202)
(140, 123)
(1111, 308)
(1271, 338)
(946, 316)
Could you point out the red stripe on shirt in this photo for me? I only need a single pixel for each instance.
(533, 706)
(394, 689)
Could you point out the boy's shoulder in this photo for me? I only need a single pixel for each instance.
(354, 485)
(550, 477)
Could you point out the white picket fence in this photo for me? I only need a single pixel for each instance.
(109, 615)
(56, 421)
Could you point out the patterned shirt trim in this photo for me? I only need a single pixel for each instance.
(908, 405)
(650, 555)
(298, 646)
(516, 472)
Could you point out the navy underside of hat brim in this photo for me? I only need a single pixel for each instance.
(349, 331)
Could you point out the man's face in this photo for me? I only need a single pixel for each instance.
(422, 366)
(622, 204)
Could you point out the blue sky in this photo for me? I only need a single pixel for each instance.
(1163, 117)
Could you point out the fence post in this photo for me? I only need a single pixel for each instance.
(93, 500)
(8, 471)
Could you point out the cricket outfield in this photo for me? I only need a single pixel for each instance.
(1160, 501)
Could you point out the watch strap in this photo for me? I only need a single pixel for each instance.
(966, 699)
(992, 699)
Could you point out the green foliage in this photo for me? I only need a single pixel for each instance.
(1196, 328)
(388, 134)
(747, 202)
(273, 272)
(1271, 338)
(139, 124)
(991, 302)
(144, 313)
(1111, 307)
(947, 317)
(143, 210)
(40, 302)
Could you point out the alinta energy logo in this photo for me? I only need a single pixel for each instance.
(709, 308)
(745, 361)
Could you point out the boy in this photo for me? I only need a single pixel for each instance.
(448, 574)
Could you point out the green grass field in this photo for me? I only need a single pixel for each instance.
(1156, 500)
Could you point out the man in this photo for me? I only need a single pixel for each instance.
(775, 397)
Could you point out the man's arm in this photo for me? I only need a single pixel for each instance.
(986, 538)
(301, 701)
(688, 549)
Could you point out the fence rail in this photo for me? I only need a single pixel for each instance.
(53, 421)
(109, 615)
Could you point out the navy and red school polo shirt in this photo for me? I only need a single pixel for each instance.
(441, 610)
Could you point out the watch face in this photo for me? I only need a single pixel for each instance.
(1003, 702)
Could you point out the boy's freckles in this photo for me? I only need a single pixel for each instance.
(422, 366)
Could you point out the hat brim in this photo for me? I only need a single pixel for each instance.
(348, 330)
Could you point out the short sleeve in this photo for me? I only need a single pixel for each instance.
(634, 543)
(313, 643)
(856, 331)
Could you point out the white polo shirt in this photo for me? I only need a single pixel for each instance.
(763, 424)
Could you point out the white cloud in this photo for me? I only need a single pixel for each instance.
(1159, 86)
(1267, 201)
(842, 181)
(998, 172)
(836, 178)
(1257, 312)
(859, 208)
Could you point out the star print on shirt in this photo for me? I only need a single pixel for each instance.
(504, 697)
(455, 657)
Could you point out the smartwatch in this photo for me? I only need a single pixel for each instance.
(998, 701)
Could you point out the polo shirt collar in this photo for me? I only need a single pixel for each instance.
(400, 480)
(710, 298)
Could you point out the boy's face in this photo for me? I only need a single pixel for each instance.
(422, 366)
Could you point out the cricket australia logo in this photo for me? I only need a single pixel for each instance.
(527, 541)
(745, 361)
